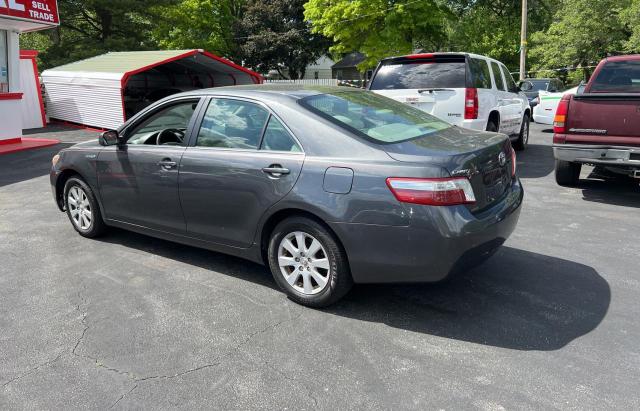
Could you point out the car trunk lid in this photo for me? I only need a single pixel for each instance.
(484, 158)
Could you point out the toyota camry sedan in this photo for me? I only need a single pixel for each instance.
(326, 186)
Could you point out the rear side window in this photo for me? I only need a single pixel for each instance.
(479, 72)
(232, 124)
(420, 75)
(277, 138)
(497, 76)
(511, 85)
(618, 77)
(374, 117)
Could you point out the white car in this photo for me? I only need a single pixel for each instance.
(466, 90)
(545, 110)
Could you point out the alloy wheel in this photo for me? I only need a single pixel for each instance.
(79, 208)
(304, 263)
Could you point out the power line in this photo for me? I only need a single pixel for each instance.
(358, 17)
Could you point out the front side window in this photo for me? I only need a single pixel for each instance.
(497, 76)
(618, 77)
(165, 127)
(231, 123)
(4, 62)
(374, 117)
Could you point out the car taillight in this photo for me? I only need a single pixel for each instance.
(560, 119)
(432, 191)
(471, 104)
(514, 162)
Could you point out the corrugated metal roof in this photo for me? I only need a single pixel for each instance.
(121, 62)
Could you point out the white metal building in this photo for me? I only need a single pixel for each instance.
(106, 90)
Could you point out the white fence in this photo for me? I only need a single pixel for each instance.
(315, 82)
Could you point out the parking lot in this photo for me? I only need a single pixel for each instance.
(129, 322)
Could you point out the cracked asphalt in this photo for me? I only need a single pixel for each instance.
(131, 322)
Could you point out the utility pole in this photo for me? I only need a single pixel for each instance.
(523, 41)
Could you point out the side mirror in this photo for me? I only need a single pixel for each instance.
(110, 138)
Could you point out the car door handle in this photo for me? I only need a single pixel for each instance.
(276, 170)
(167, 164)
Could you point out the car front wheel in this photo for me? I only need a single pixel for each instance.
(82, 208)
(308, 263)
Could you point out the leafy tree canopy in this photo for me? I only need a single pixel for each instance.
(378, 28)
(274, 35)
(582, 33)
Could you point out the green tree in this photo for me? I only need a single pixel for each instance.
(274, 35)
(492, 27)
(582, 33)
(205, 24)
(91, 27)
(631, 17)
(379, 28)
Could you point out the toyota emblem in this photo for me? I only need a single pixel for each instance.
(502, 159)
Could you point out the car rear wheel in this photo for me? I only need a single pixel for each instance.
(567, 173)
(523, 138)
(492, 126)
(82, 208)
(308, 263)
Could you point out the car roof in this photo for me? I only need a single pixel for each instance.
(443, 53)
(272, 91)
(624, 57)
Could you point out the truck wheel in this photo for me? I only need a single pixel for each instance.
(491, 126)
(567, 173)
(523, 138)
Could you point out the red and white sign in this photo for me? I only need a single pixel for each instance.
(41, 11)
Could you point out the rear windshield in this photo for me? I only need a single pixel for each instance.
(618, 77)
(538, 85)
(374, 117)
(420, 75)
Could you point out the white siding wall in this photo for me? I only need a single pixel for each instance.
(31, 110)
(92, 102)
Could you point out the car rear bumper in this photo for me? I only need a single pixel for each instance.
(614, 156)
(439, 241)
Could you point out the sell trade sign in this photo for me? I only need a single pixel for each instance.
(42, 11)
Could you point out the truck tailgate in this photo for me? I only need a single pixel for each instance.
(604, 118)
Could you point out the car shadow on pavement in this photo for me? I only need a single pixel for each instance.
(28, 164)
(536, 161)
(518, 300)
(199, 257)
(619, 192)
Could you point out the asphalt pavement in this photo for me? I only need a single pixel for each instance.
(131, 322)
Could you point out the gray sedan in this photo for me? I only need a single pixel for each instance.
(327, 186)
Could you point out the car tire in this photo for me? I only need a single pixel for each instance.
(567, 173)
(316, 274)
(82, 208)
(523, 138)
(491, 126)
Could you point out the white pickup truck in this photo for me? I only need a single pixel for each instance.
(466, 90)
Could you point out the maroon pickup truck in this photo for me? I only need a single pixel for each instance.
(601, 126)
